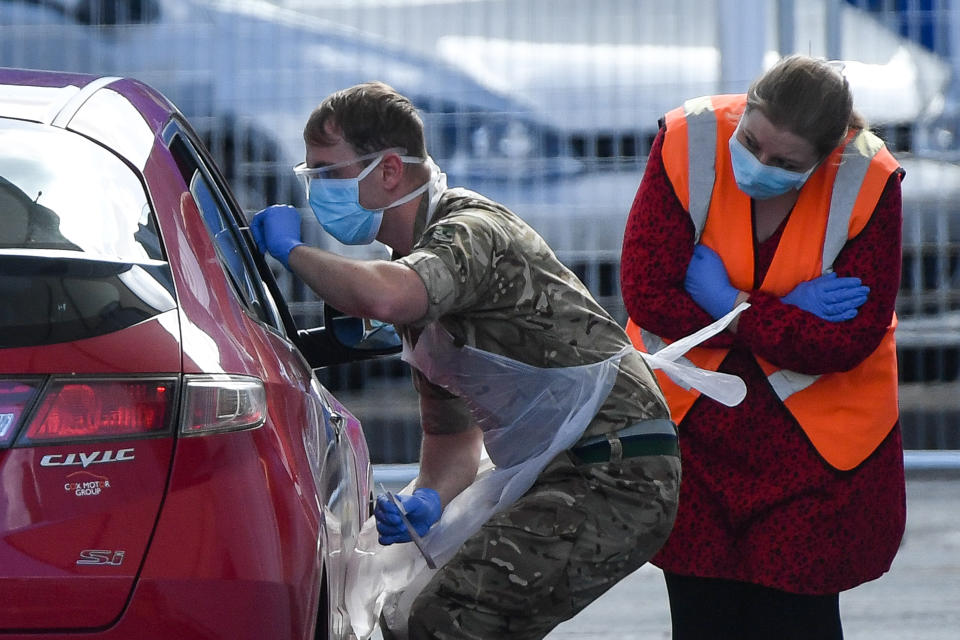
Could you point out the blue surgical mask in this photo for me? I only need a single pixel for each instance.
(759, 180)
(336, 203)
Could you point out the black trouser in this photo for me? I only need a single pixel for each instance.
(715, 609)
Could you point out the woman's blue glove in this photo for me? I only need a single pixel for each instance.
(277, 229)
(708, 284)
(829, 297)
(423, 509)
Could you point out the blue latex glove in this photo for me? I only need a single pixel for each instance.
(829, 297)
(423, 510)
(277, 229)
(708, 284)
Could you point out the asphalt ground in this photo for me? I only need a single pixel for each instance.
(919, 598)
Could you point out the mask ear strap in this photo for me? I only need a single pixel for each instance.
(370, 168)
(413, 194)
(410, 196)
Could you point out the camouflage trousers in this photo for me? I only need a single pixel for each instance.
(579, 530)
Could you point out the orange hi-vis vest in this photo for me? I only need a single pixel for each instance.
(846, 415)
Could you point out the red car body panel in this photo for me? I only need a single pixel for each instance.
(103, 513)
(50, 515)
(148, 347)
(225, 535)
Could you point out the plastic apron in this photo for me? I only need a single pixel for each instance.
(528, 415)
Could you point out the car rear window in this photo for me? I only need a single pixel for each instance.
(80, 254)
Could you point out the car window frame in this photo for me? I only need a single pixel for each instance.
(278, 318)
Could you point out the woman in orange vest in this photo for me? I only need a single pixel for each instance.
(783, 199)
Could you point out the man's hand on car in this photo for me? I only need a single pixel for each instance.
(276, 230)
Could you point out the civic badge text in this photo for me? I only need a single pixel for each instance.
(84, 460)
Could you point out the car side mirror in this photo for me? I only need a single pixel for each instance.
(346, 338)
(363, 334)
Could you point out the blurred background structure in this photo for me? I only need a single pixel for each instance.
(549, 106)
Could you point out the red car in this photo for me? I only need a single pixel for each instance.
(170, 467)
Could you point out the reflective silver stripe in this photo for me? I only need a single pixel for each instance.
(785, 383)
(854, 163)
(701, 158)
(654, 343)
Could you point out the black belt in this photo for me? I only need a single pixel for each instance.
(648, 438)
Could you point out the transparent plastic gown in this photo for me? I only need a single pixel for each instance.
(528, 415)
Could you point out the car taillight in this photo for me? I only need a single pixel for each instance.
(80, 409)
(218, 403)
(16, 396)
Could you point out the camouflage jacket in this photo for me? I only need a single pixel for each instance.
(494, 284)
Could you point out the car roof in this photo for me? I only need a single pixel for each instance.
(38, 96)
(62, 100)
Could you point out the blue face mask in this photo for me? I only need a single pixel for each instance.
(336, 202)
(761, 181)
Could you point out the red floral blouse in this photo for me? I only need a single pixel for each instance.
(757, 502)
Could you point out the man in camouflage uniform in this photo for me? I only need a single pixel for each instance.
(597, 511)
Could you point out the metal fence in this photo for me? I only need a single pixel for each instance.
(548, 106)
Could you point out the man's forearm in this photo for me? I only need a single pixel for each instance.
(378, 289)
(448, 462)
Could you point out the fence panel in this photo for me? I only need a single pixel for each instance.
(549, 106)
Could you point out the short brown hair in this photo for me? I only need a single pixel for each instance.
(810, 98)
(371, 117)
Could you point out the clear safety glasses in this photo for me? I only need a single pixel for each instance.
(330, 172)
